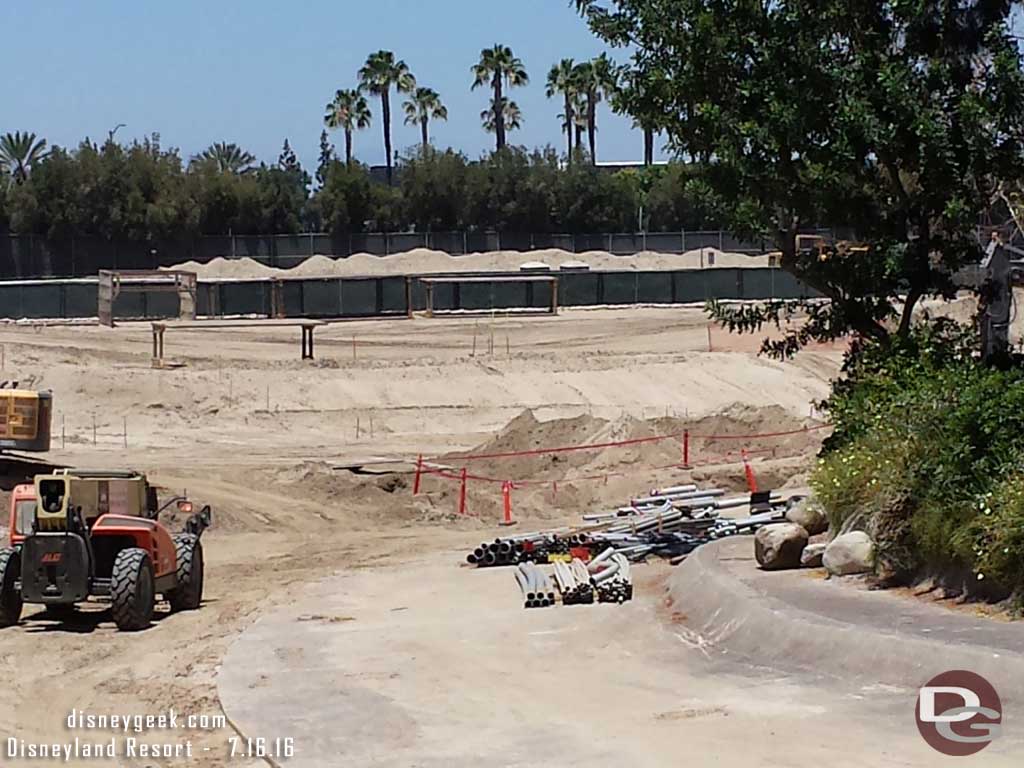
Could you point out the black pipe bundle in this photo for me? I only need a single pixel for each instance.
(497, 552)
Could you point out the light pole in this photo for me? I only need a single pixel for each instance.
(110, 133)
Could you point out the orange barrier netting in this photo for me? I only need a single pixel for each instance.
(711, 460)
(633, 441)
(463, 477)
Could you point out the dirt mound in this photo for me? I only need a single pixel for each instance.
(632, 454)
(428, 261)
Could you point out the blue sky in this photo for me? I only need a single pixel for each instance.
(257, 71)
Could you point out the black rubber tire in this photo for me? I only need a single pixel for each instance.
(188, 594)
(132, 590)
(10, 598)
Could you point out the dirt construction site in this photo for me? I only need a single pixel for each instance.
(339, 612)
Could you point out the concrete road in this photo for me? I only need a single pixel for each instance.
(429, 664)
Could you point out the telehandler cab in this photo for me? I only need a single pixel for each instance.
(81, 534)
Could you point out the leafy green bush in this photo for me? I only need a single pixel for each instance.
(927, 456)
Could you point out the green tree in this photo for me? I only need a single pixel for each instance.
(434, 189)
(595, 80)
(350, 112)
(326, 155)
(287, 161)
(499, 69)
(423, 106)
(227, 158)
(19, 152)
(895, 120)
(378, 76)
(343, 204)
(590, 200)
(511, 118)
(561, 81)
(513, 190)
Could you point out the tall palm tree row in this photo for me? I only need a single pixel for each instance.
(378, 76)
(349, 112)
(562, 81)
(499, 69)
(423, 106)
(19, 151)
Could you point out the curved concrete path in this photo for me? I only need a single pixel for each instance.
(796, 620)
(430, 665)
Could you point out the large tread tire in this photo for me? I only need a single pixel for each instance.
(132, 590)
(188, 594)
(10, 598)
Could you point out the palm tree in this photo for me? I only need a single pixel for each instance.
(511, 117)
(378, 75)
(561, 81)
(228, 158)
(350, 112)
(423, 106)
(596, 79)
(621, 107)
(19, 151)
(577, 119)
(499, 68)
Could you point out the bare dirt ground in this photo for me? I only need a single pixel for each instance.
(247, 427)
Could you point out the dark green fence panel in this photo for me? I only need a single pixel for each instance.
(292, 298)
(245, 298)
(619, 288)
(689, 286)
(80, 300)
(578, 289)
(393, 298)
(654, 287)
(321, 298)
(358, 298)
(130, 305)
(10, 301)
(664, 242)
(722, 284)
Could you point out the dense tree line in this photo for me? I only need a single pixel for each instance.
(145, 191)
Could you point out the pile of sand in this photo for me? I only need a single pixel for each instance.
(792, 452)
(424, 261)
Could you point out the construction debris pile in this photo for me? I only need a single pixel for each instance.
(592, 560)
(670, 522)
(606, 578)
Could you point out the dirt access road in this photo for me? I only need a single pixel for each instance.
(247, 427)
(428, 664)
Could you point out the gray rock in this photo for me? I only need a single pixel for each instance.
(850, 553)
(808, 514)
(779, 546)
(812, 555)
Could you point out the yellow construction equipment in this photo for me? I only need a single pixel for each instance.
(25, 418)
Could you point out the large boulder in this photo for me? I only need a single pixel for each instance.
(779, 546)
(849, 554)
(808, 514)
(812, 555)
